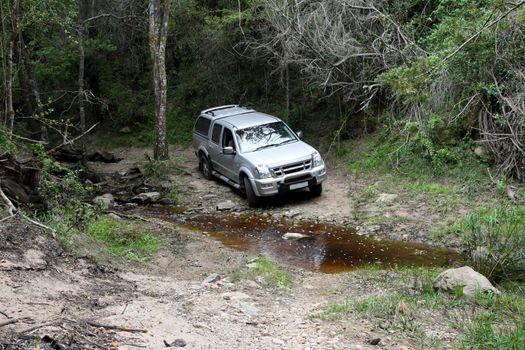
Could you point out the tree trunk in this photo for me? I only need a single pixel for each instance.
(287, 82)
(81, 69)
(3, 56)
(158, 29)
(9, 88)
(34, 89)
(28, 108)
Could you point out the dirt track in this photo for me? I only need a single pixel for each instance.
(169, 297)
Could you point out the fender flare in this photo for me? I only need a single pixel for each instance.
(249, 174)
(202, 149)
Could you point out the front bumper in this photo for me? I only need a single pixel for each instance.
(291, 182)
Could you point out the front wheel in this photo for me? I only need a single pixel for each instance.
(316, 190)
(253, 200)
(205, 167)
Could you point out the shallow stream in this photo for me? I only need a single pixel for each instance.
(327, 248)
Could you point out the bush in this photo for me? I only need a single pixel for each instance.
(494, 240)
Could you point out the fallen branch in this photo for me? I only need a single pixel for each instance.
(65, 143)
(28, 330)
(26, 139)
(14, 320)
(117, 328)
(10, 207)
(14, 211)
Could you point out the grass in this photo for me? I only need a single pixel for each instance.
(493, 240)
(124, 239)
(3, 212)
(407, 170)
(265, 272)
(403, 302)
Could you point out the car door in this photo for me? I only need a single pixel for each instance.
(214, 147)
(227, 163)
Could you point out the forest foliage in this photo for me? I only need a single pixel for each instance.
(438, 76)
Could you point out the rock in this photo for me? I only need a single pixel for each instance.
(481, 152)
(106, 199)
(295, 235)
(114, 216)
(235, 296)
(125, 130)
(226, 205)
(214, 277)
(147, 197)
(368, 230)
(130, 205)
(251, 265)
(386, 198)
(179, 343)
(167, 201)
(291, 214)
(246, 308)
(374, 341)
(465, 276)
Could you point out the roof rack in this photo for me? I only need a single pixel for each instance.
(211, 110)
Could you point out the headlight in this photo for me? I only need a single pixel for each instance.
(263, 171)
(317, 160)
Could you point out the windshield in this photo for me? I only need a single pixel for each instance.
(262, 136)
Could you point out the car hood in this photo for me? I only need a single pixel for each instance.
(281, 155)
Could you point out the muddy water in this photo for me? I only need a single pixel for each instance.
(328, 248)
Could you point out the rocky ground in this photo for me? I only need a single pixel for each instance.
(54, 297)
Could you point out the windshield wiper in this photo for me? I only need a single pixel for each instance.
(273, 144)
(282, 143)
(266, 146)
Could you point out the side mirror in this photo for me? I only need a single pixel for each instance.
(228, 150)
(299, 134)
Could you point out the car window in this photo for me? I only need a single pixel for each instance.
(227, 138)
(216, 133)
(263, 136)
(202, 126)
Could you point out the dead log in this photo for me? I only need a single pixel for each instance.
(103, 156)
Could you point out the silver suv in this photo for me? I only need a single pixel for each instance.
(255, 152)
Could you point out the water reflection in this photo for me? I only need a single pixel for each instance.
(328, 248)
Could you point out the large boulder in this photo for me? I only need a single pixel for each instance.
(465, 276)
(226, 205)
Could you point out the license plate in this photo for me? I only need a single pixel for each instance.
(299, 185)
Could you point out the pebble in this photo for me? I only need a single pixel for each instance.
(214, 277)
(179, 343)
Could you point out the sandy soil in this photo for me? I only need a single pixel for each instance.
(54, 291)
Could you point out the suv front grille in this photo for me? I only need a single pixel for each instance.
(292, 168)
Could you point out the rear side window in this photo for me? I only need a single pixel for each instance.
(202, 126)
(216, 134)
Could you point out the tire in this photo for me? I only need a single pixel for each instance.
(253, 200)
(205, 167)
(316, 190)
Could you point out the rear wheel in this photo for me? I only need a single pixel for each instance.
(205, 167)
(316, 190)
(253, 200)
